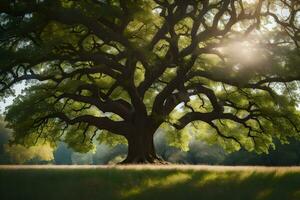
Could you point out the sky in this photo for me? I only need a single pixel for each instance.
(9, 100)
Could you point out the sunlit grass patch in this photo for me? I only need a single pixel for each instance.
(297, 194)
(212, 177)
(263, 194)
(162, 182)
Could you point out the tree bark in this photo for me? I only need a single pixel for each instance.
(141, 149)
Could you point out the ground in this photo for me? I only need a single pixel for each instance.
(149, 182)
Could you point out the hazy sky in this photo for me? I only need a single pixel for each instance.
(8, 101)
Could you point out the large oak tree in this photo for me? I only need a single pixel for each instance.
(225, 69)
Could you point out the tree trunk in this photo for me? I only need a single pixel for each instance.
(141, 149)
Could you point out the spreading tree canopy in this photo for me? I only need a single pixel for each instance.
(226, 70)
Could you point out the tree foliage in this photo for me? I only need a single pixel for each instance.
(16, 153)
(225, 70)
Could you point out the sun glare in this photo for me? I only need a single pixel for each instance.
(244, 53)
(250, 1)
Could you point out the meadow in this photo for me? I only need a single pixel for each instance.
(149, 182)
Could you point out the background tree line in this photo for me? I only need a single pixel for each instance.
(197, 152)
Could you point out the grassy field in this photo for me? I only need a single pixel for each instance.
(149, 182)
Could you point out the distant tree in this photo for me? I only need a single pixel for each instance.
(5, 136)
(107, 154)
(283, 155)
(226, 70)
(202, 153)
(62, 155)
(16, 153)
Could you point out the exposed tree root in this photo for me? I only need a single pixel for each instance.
(144, 160)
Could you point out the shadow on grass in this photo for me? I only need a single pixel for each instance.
(131, 184)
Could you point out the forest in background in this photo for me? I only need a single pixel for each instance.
(197, 152)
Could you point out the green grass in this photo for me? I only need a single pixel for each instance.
(143, 182)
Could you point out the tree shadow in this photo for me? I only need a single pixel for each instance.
(130, 184)
(218, 185)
